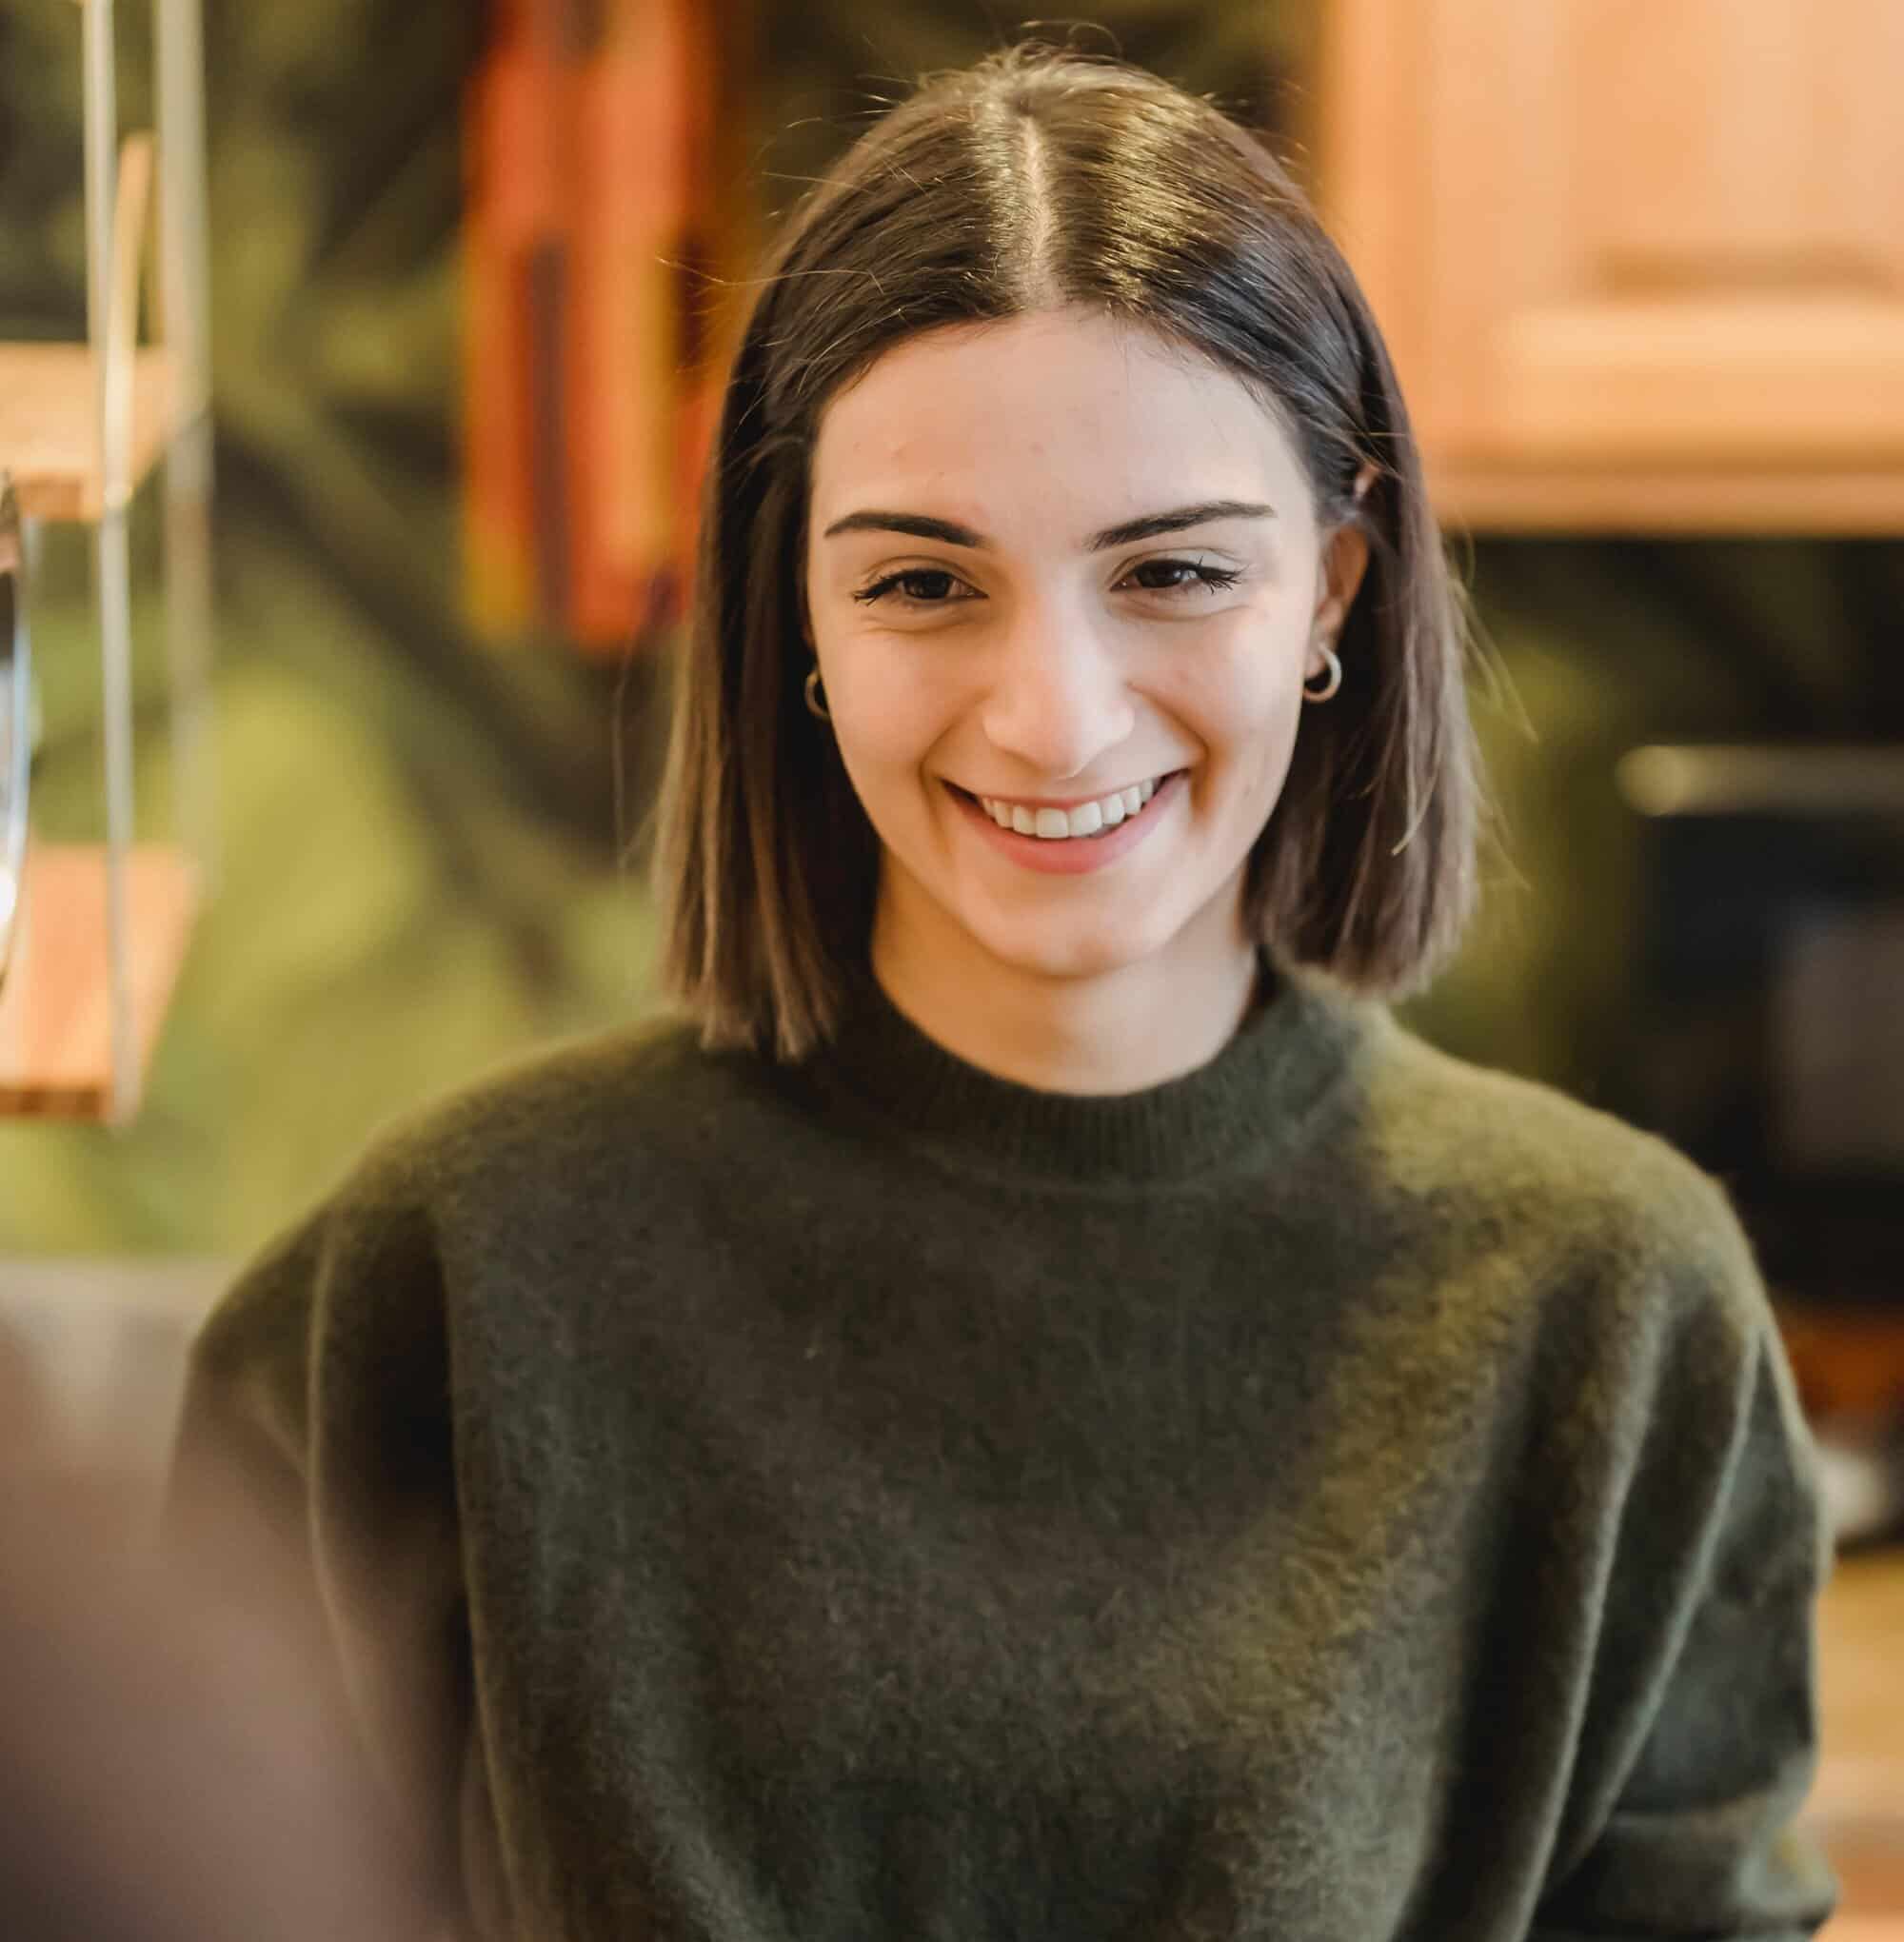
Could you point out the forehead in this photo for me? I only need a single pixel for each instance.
(1055, 414)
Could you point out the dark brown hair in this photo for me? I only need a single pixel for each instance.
(1038, 179)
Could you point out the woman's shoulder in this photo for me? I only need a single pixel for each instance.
(1515, 1152)
(545, 1144)
(632, 1091)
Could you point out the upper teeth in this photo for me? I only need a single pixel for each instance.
(1088, 818)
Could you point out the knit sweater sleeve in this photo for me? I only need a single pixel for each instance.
(1703, 1723)
(311, 1474)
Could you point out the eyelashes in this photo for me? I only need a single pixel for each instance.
(1196, 576)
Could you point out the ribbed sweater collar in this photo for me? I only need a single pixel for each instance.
(1248, 1103)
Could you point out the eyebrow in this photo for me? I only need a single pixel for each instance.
(921, 527)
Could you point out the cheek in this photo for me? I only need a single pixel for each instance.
(1254, 768)
(1243, 701)
(886, 719)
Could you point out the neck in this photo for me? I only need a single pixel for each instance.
(1120, 1030)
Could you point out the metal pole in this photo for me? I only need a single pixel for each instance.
(101, 136)
(185, 296)
(112, 563)
(178, 57)
(16, 720)
(190, 621)
(115, 635)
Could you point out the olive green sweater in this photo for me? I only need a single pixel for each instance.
(1341, 1494)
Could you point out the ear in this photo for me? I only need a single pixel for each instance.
(1345, 558)
(1344, 561)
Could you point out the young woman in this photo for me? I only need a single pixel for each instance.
(1036, 1409)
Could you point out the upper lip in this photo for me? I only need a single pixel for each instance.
(1071, 802)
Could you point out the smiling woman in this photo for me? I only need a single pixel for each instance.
(1080, 336)
(1063, 654)
(1037, 1408)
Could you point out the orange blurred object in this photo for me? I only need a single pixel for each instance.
(593, 172)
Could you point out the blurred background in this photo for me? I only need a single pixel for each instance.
(471, 269)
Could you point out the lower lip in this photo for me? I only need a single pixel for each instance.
(1072, 856)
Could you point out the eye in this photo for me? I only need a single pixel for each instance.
(915, 585)
(1177, 576)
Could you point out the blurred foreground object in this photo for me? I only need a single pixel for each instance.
(167, 1773)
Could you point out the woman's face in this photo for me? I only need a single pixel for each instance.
(1062, 577)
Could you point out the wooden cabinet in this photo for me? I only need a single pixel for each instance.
(1640, 261)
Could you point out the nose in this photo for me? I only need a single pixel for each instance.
(1058, 701)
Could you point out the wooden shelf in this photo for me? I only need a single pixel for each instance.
(55, 1010)
(49, 415)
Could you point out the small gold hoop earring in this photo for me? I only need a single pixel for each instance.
(1334, 680)
(815, 704)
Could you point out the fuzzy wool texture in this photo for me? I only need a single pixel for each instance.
(1343, 1494)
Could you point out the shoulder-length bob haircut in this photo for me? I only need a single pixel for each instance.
(1035, 180)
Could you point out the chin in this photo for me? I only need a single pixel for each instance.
(1072, 950)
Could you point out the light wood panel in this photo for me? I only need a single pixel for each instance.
(1641, 267)
(49, 418)
(55, 1009)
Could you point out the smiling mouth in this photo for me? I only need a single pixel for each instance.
(1083, 823)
